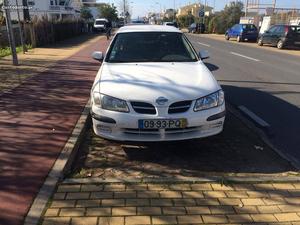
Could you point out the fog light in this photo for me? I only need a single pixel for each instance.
(104, 129)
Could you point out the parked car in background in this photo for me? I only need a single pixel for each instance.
(100, 25)
(120, 24)
(137, 22)
(281, 36)
(174, 24)
(154, 86)
(197, 28)
(242, 32)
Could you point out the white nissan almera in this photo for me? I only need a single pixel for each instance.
(153, 86)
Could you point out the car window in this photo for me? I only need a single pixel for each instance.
(249, 27)
(273, 29)
(100, 22)
(280, 29)
(151, 47)
(236, 27)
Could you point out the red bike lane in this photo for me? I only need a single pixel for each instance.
(36, 120)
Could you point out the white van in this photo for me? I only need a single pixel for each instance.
(100, 24)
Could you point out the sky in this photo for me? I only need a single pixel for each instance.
(142, 7)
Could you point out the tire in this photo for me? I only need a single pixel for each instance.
(239, 39)
(227, 38)
(260, 42)
(280, 44)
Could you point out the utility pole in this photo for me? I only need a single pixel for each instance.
(20, 29)
(10, 33)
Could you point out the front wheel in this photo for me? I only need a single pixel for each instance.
(239, 39)
(227, 38)
(280, 44)
(260, 42)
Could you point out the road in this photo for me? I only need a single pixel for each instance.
(265, 82)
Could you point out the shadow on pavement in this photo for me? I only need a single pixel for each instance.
(236, 150)
(281, 115)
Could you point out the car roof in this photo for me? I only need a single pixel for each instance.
(148, 28)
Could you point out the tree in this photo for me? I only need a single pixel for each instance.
(186, 20)
(85, 13)
(233, 12)
(109, 12)
(225, 19)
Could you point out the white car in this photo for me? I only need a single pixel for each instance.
(153, 86)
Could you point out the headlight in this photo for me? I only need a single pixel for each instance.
(110, 103)
(210, 101)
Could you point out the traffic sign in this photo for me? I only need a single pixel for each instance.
(202, 11)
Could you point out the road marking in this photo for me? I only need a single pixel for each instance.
(200, 43)
(246, 57)
(254, 117)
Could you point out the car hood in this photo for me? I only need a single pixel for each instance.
(149, 81)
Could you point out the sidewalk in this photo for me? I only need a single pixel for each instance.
(38, 60)
(157, 204)
(36, 119)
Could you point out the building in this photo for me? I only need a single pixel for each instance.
(52, 9)
(169, 13)
(194, 9)
(93, 5)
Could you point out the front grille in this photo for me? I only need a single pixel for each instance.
(143, 108)
(157, 131)
(180, 107)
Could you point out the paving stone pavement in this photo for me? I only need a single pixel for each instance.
(155, 204)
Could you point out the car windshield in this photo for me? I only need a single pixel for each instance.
(151, 47)
(100, 22)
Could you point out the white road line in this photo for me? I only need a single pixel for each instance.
(254, 117)
(246, 57)
(200, 43)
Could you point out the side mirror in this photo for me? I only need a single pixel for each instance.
(267, 32)
(203, 54)
(98, 56)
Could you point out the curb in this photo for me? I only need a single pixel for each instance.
(293, 161)
(188, 180)
(61, 167)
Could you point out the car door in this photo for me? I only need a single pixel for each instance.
(267, 36)
(277, 34)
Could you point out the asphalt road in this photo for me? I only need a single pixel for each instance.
(266, 82)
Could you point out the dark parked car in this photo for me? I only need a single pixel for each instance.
(197, 28)
(281, 36)
(242, 32)
(173, 24)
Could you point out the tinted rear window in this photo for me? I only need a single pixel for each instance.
(249, 27)
(295, 29)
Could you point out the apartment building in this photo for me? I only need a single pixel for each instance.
(194, 10)
(53, 9)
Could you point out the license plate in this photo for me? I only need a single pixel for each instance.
(163, 124)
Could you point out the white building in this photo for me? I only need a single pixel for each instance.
(53, 9)
(93, 5)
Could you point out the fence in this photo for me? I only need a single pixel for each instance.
(43, 32)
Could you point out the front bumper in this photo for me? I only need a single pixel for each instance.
(124, 126)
